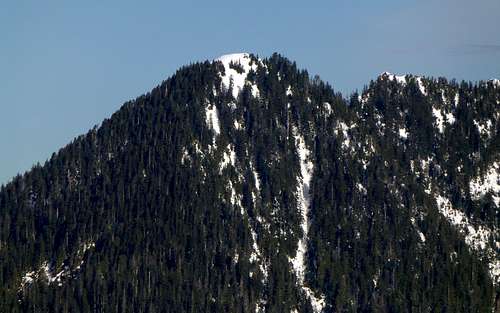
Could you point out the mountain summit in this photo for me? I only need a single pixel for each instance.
(243, 185)
(236, 67)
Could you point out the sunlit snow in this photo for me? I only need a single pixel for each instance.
(485, 128)
(476, 237)
(212, 118)
(442, 119)
(421, 86)
(488, 183)
(399, 79)
(303, 197)
(48, 273)
(403, 133)
(238, 79)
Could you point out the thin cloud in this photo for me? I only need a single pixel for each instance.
(467, 49)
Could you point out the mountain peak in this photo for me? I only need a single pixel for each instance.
(233, 57)
(236, 68)
(402, 79)
(399, 78)
(287, 187)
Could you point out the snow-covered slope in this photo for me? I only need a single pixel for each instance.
(237, 77)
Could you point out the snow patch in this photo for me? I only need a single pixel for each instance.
(232, 105)
(399, 79)
(450, 118)
(231, 74)
(257, 258)
(256, 181)
(378, 122)
(303, 199)
(420, 234)
(456, 99)
(484, 128)
(54, 277)
(328, 108)
(476, 237)
(28, 278)
(317, 303)
(212, 118)
(421, 86)
(344, 128)
(442, 118)
(256, 255)
(185, 156)
(306, 168)
(361, 188)
(235, 198)
(439, 119)
(228, 157)
(50, 275)
(489, 183)
(363, 99)
(237, 125)
(86, 246)
(421, 169)
(403, 133)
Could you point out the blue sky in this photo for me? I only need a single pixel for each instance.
(64, 67)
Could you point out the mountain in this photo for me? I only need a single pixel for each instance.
(244, 185)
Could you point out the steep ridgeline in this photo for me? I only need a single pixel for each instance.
(243, 185)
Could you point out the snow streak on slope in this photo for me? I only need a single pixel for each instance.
(489, 183)
(48, 273)
(306, 168)
(476, 237)
(238, 79)
(228, 158)
(479, 238)
(212, 118)
(256, 256)
(298, 262)
(419, 232)
(421, 86)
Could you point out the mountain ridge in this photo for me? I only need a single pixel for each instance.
(319, 198)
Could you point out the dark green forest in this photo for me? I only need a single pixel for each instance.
(159, 209)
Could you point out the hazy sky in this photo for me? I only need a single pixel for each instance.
(66, 65)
